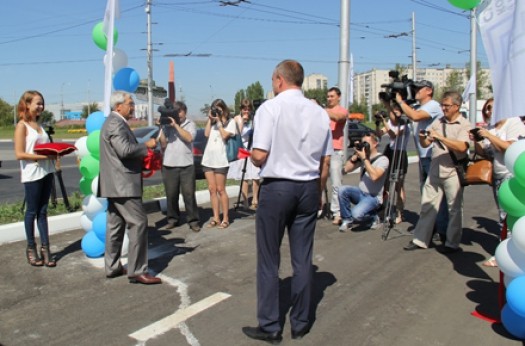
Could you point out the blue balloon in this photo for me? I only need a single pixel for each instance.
(126, 79)
(99, 225)
(91, 245)
(516, 296)
(513, 323)
(94, 121)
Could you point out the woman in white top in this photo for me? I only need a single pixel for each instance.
(496, 139)
(219, 128)
(36, 175)
(251, 174)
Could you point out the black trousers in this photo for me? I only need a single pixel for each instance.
(292, 205)
(180, 180)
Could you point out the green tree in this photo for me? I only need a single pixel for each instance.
(88, 109)
(6, 114)
(47, 118)
(454, 82)
(482, 79)
(359, 107)
(318, 94)
(205, 110)
(254, 91)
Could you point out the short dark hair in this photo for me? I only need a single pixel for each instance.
(182, 106)
(336, 89)
(291, 71)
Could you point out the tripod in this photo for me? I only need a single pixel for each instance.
(395, 176)
(249, 147)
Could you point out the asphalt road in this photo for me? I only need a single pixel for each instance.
(367, 291)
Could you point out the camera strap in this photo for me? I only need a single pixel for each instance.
(363, 168)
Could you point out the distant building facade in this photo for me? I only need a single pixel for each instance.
(367, 85)
(315, 81)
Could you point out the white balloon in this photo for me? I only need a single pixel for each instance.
(513, 152)
(92, 205)
(81, 145)
(85, 222)
(510, 259)
(94, 185)
(120, 59)
(518, 232)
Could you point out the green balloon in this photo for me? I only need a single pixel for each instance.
(511, 197)
(519, 169)
(93, 144)
(511, 220)
(85, 186)
(465, 4)
(100, 38)
(89, 167)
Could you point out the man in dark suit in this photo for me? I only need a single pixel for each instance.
(120, 181)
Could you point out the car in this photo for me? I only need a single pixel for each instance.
(199, 143)
(356, 131)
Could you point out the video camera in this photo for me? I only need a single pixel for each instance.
(167, 111)
(404, 86)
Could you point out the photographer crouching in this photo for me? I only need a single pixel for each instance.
(368, 195)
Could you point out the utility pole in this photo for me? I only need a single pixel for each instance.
(473, 68)
(344, 63)
(414, 60)
(150, 66)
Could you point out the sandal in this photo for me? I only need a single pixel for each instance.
(224, 225)
(491, 262)
(32, 257)
(49, 261)
(253, 206)
(213, 223)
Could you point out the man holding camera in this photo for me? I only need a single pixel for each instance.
(449, 137)
(338, 115)
(368, 195)
(178, 171)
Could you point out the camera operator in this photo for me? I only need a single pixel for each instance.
(396, 151)
(338, 115)
(368, 195)
(178, 170)
(448, 136)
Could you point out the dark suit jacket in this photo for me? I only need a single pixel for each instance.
(121, 159)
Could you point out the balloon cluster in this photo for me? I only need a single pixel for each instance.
(510, 253)
(93, 218)
(465, 4)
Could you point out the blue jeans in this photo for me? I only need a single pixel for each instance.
(37, 199)
(365, 205)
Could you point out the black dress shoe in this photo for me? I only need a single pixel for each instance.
(145, 279)
(297, 335)
(258, 333)
(122, 271)
(412, 246)
(171, 225)
(449, 250)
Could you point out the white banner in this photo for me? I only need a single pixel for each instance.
(469, 89)
(351, 81)
(112, 11)
(502, 27)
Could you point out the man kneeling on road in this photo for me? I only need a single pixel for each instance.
(368, 195)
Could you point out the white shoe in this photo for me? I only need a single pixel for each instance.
(374, 224)
(345, 226)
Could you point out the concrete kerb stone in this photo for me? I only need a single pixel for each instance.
(14, 232)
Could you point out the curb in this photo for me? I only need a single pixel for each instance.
(14, 232)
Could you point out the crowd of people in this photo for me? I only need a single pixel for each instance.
(296, 145)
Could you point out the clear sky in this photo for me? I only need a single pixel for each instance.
(47, 44)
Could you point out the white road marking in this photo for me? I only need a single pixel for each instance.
(169, 322)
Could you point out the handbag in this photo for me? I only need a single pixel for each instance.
(233, 145)
(472, 171)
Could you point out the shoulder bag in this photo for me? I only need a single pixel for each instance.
(472, 171)
(233, 144)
